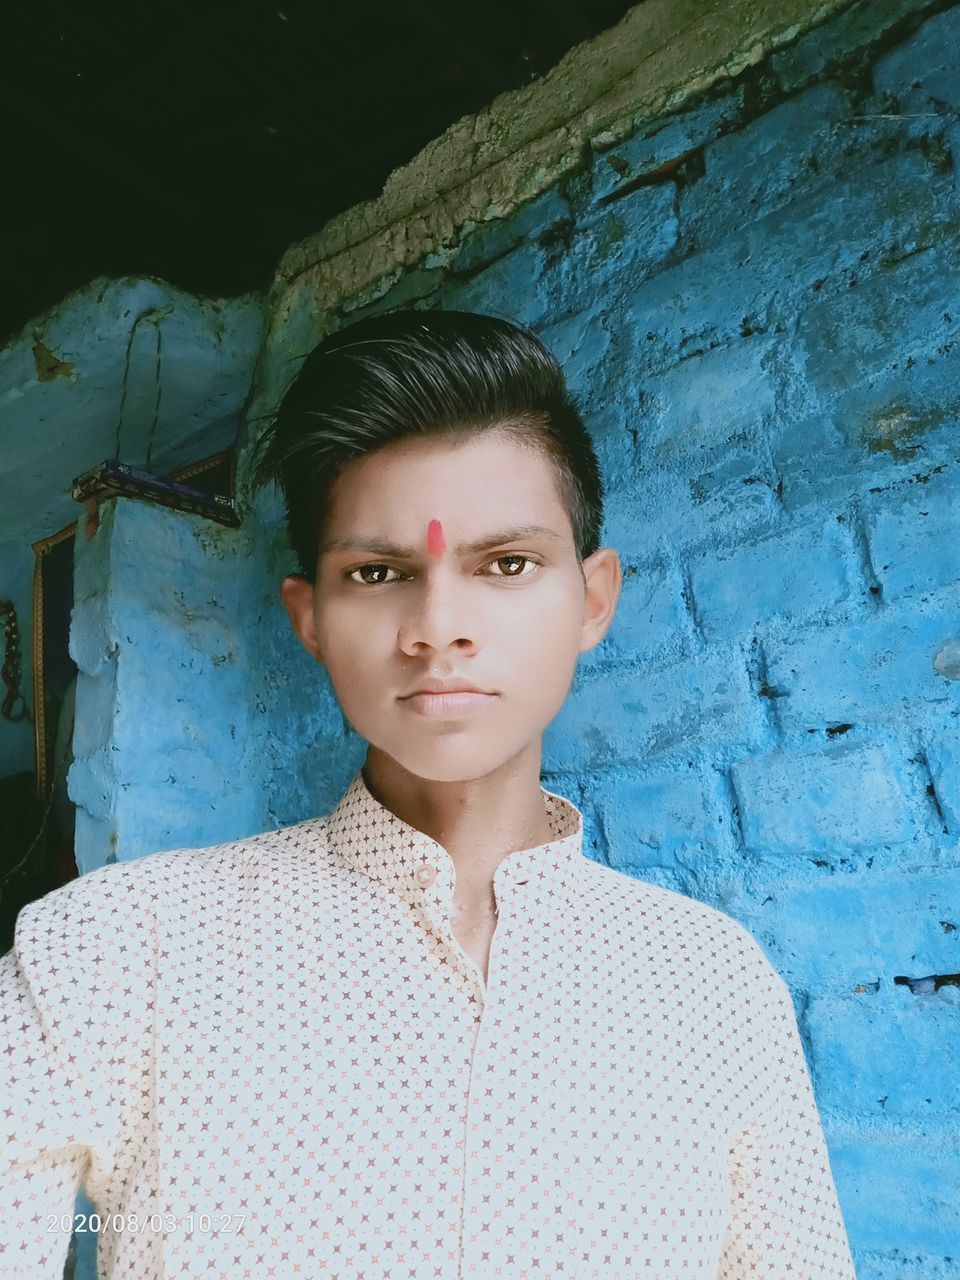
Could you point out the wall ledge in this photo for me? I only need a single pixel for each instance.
(661, 55)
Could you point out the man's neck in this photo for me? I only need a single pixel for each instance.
(478, 822)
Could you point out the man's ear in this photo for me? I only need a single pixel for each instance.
(603, 578)
(296, 592)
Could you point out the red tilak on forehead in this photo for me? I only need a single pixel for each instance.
(436, 543)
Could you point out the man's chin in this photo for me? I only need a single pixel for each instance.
(450, 757)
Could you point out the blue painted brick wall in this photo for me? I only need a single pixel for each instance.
(189, 695)
(163, 712)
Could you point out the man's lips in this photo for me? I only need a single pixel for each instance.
(437, 686)
(450, 704)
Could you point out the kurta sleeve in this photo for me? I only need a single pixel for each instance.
(785, 1222)
(74, 1011)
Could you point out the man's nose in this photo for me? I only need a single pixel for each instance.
(440, 611)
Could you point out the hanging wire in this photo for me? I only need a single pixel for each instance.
(154, 315)
(7, 874)
(156, 403)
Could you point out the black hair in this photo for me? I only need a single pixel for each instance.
(439, 374)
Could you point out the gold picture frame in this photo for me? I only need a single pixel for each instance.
(42, 743)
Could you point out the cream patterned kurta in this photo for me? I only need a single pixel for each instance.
(272, 1058)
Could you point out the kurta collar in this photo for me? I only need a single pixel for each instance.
(375, 841)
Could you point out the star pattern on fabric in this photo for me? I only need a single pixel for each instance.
(276, 1052)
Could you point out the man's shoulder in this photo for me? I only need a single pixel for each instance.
(675, 923)
(131, 893)
(646, 895)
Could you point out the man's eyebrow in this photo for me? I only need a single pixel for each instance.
(381, 547)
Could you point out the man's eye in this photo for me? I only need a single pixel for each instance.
(526, 559)
(379, 568)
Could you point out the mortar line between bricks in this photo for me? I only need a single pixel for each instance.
(600, 826)
(689, 600)
(920, 758)
(759, 678)
(870, 50)
(733, 800)
(861, 543)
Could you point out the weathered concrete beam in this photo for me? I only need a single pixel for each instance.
(662, 54)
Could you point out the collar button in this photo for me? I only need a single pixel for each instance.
(424, 875)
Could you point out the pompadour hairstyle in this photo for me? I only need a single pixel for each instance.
(447, 375)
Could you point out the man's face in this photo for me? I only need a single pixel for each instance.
(400, 597)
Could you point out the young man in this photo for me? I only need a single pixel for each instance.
(424, 1035)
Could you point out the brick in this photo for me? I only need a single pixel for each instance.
(616, 718)
(914, 535)
(905, 421)
(923, 74)
(897, 1189)
(579, 344)
(643, 153)
(179, 711)
(617, 246)
(878, 670)
(187, 767)
(657, 821)
(795, 575)
(852, 337)
(517, 276)
(880, 1054)
(707, 401)
(732, 484)
(766, 269)
(206, 638)
(800, 447)
(95, 707)
(895, 430)
(680, 512)
(830, 45)
(650, 617)
(895, 1264)
(943, 757)
(800, 802)
(180, 816)
(830, 934)
(490, 240)
(92, 782)
(614, 439)
(796, 146)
